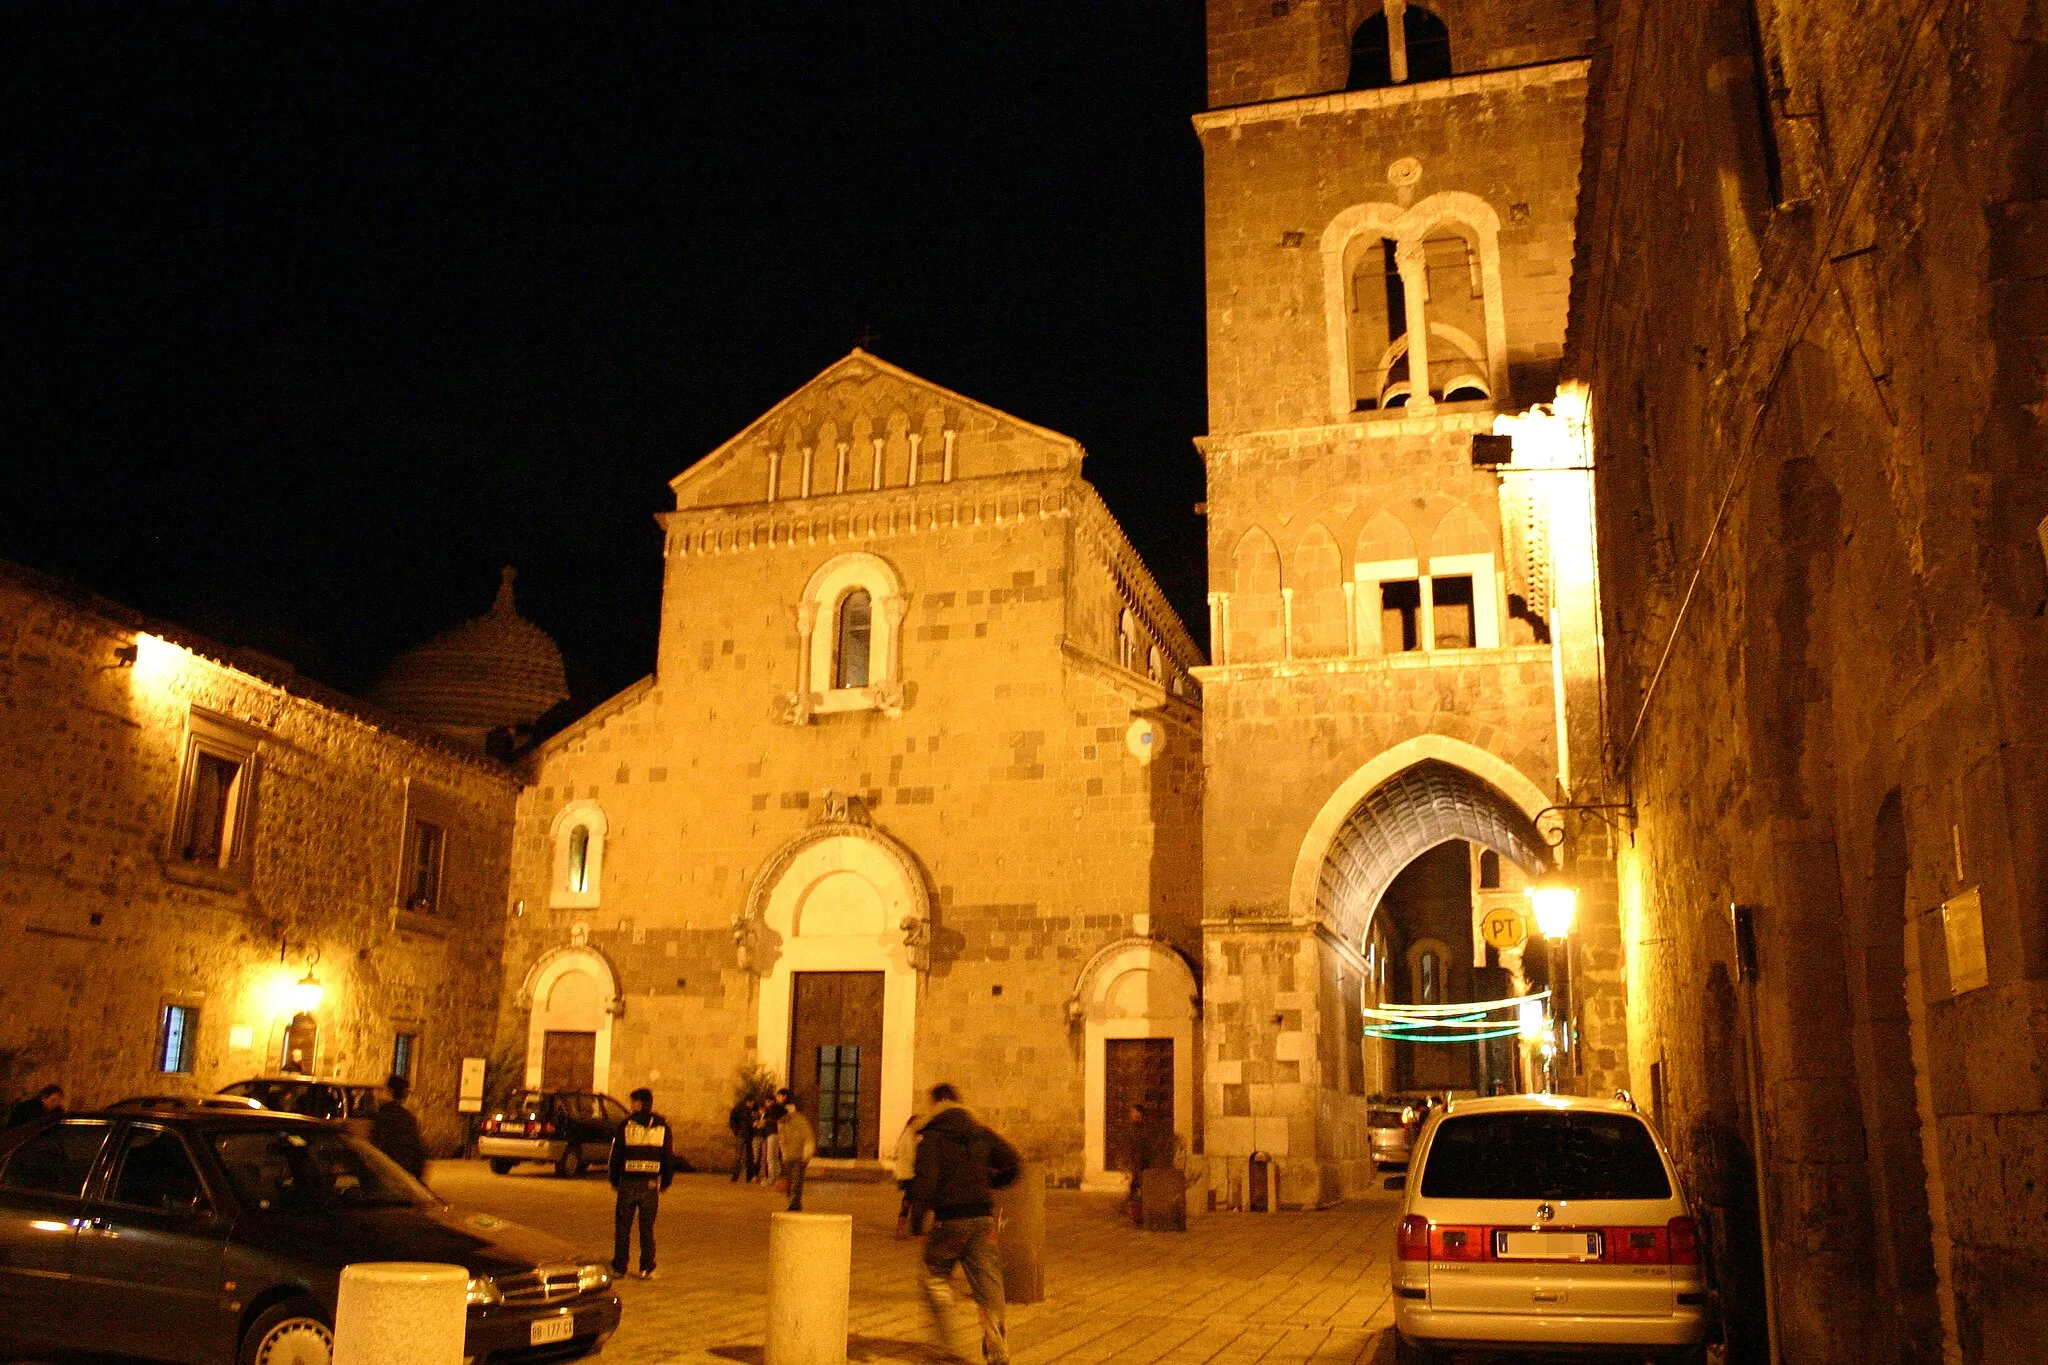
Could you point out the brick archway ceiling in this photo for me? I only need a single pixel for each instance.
(1403, 818)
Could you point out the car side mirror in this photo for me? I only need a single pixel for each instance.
(1396, 1182)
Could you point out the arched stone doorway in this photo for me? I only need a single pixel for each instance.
(1136, 1000)
(572, 996)
(835, 927)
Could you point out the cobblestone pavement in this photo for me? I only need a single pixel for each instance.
(1234, 1289)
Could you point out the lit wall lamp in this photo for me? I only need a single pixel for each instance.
(1555, 904)
(304, 994)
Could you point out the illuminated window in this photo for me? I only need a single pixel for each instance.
(856, 630)
(215, 814)
(176, 1039)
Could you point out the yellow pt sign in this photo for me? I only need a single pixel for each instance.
(1503, 928)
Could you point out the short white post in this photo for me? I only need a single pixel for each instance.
(810, 1266)
(401, 1313)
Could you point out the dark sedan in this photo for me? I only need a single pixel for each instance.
(207, 1237)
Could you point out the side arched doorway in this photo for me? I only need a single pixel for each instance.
(572, 996)
(835, 924)
(1136, 1000)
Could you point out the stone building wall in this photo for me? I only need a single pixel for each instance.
(102, 924)
(1007, 775)
(1810, 310)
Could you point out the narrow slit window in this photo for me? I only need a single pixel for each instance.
(856, 628)
(403, 1054)
(1401, 616)
(1429, 980)
(1489, 871)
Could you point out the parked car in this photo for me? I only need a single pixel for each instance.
(206, 1237)
(349, 1104)
(1390, 1127)
(571, 1130)
(1546, 1222)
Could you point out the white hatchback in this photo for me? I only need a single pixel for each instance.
(1546, 1223)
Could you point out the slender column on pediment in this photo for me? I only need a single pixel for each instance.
(947, 475)
(807, 471)
(774, 473)
(1351, 619)
(806, 628)
(916, 440)
(1286, 623)
(1415, 288)
(877, 482)
(840, 487)
(1397, 39)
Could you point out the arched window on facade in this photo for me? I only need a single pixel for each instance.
(1425, 46)
(579, 858)
(1378, 324)
(578, 837)
(1127, 641)
(1489, 870)
(855, 629)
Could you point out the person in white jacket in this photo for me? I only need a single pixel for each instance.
(906, 1169)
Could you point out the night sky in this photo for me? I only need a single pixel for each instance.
(316, 314)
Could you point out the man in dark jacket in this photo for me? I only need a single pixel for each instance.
(396, 1133)
(741, 1121)
(642, 1165)
(45, 1102)
(960, 1165)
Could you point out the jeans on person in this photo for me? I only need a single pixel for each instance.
(742, 1156)
(971, 1244)
(771, 1158)
(794, 1170)
(641, 1198)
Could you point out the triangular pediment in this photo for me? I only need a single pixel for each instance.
(827, 433)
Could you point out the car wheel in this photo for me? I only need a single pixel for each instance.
(1408, 1352)
(501, 1165)
(294, 1332)
(571, 1164)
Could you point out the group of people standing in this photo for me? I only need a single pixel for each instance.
(773, 1143)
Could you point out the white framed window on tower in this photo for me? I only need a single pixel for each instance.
(578, 835)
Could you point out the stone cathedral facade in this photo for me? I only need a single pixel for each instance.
(913, 795)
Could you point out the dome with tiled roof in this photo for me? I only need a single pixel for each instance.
(494, 672)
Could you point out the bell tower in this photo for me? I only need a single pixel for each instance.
(1402, 618)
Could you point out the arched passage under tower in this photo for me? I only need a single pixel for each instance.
(1394, 875)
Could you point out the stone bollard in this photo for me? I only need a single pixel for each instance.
(810, 1265)
(1022, 1206)
(401, 1313)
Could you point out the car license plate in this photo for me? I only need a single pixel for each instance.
(546, 1330)
(1546, 1246)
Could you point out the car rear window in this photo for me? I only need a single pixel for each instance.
(1543, 1155)
(312, 1168)
(1385, 1118)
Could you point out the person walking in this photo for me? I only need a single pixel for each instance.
(740, 1119)
(960, 1165)
(757, 1136)
(771, 1141)
(396, 1133)
(642, 1164)
(799, 1143)
(45, 1102)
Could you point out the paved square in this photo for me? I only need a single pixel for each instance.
(1234, 1289)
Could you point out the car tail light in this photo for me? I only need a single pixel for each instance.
(532, 1128)
(1457, 1244)
(1684, 1236)
(1412, 1244)
(1676, 1243)
(547, 1130)
(489, 1125)
(1637, 1246)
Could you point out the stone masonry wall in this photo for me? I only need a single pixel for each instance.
(1810, 305)
(100, 928)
